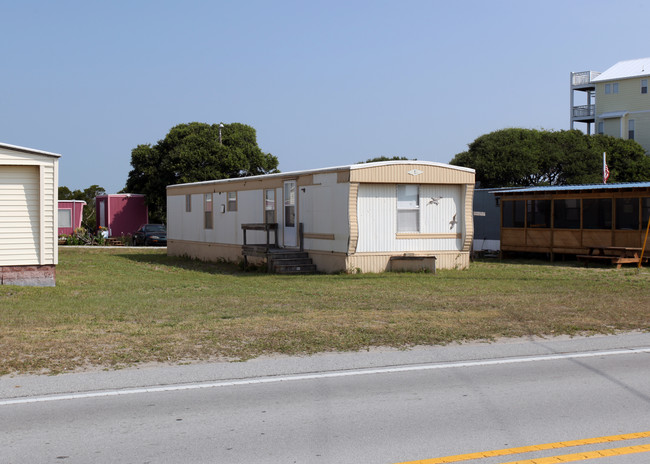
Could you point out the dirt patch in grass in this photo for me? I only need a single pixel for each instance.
(114, 308)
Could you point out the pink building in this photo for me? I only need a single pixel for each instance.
(121, 213)
(70, 215)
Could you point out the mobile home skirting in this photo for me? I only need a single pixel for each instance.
(325, 262)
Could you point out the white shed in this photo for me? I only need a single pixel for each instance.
(28, 216)
(365, 217)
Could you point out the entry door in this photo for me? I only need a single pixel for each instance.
(289, 221)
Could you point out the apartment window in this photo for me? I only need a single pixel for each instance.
(627, 214)
(608, 89)
(188, 203)
(408, 208)
(232, 201)
(566, 214)
(207, 211)
(65, 218)
(269, 206)
(514, 213)
(597, 213)
(539, 213)
(630, 129)
(615, 87)
(644, 85)
(601, 127)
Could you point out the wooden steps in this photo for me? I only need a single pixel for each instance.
(290, 262)
(282, 261)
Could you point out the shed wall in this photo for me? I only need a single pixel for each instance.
(28, 216)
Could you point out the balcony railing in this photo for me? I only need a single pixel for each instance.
(584, 111)
(583, 78)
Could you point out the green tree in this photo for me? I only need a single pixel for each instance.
(89, 219)
(384, 158)
(192, 153)
(526, 157)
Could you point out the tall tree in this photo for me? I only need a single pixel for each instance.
(89, 220)
(195, 152)
(384, 158)
(525, 157)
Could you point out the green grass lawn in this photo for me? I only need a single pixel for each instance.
(117, 307)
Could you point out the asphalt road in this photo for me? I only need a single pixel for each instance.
(383, 406)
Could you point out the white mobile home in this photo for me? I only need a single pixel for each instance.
(365, 217)
(28, 216)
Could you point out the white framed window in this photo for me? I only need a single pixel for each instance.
(408, 208)
(188, 203)
(65, 218)
(269, 206)
(232, 201)
(630, 129)
(207, 211)
(608, 89)
(644, 85)
(601, 127)
(615, 87)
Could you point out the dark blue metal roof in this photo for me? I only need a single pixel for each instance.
(565, 188)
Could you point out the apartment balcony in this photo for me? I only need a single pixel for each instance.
(583, 79)
(583, 113)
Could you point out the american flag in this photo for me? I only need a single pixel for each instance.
(605, 169)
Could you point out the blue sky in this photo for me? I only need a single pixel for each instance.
(324, 83)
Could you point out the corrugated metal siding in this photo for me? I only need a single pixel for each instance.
(412, 173)
(442, 211)
(183, 225)
(324, 211)
(20, 223)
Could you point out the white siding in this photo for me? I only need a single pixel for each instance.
(324, 212)
(440, 206)
(183, 225)
(20, 223)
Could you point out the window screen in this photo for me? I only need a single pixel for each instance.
(408, 208)
(65, 218)
(207, 211)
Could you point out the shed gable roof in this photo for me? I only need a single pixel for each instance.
(17, 148)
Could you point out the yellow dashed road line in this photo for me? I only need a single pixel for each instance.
(586, 455)
(547, 446)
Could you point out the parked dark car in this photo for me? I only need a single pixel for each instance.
(151, 234)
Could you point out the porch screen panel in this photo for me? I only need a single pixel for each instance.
(539, 213)
(566, 214)
(597, 213)
(627, 214)
(514, 212)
